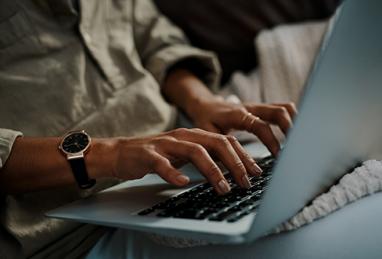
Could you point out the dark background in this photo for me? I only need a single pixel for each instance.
(228, 27)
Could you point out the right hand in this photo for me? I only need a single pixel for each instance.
(135, 157)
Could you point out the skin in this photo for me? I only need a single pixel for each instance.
(212, 113)
(133, 158)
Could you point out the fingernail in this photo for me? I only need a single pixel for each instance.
(182, 179)
(224, 186)
(246, 182)
(257, 170)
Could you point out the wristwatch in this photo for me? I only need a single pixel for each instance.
(75, 145)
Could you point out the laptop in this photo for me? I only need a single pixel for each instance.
(339, 125)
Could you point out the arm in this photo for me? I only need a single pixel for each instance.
(36, 163)
(162, 46)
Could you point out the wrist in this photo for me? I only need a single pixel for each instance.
(99, 159)
(196, 106)
(186, 90)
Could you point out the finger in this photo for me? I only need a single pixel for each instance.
(291, 108)
(211, 128)
(262, 130)
(248, 161)
(220, 146)
(277, 115)
(202, 160)
(166, 171)
(241, 119)
(164, 140)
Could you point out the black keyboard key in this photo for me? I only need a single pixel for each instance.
(255, 197)
(192, 213)
(245, 203)
(255, 188)
(186, 213)
(224, 214)
(164, 214)
(237, 216)
(234, 217)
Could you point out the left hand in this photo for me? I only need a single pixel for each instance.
(212, 113)
(217, 115)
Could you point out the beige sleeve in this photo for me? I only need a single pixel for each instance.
(161, 44)
(7, 138)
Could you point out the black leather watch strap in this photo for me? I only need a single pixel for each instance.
(80, 173)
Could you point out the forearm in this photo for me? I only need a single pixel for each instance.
(37, 163)
(185, 90)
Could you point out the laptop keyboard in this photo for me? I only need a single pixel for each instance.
(202, 202)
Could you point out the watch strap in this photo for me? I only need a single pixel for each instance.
(80, 173)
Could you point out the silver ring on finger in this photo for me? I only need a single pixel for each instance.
(247, 116)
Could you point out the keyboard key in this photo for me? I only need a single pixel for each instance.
(238, 216)
(224, 214)
(164, 214)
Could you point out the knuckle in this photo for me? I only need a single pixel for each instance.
(165, 139)
(231, 138)
(197, 130)
(241, 111)
(291, 105)
(222, 140)
(179, 132)
(198, 150)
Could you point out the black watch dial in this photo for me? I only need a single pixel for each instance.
(75, 142)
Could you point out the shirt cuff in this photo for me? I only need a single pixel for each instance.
(7, 138)
(165, 59)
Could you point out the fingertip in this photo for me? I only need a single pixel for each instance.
(275, 151)
(245, 182)
(223, 187)
(182, 180)
(256, 170)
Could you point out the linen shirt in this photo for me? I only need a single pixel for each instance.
(89, 64)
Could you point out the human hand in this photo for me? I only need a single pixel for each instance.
(212, 113)
(219, 116)
(135, 157)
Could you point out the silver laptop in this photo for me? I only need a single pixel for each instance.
(339, 124)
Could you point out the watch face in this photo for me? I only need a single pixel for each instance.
(75, 142)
